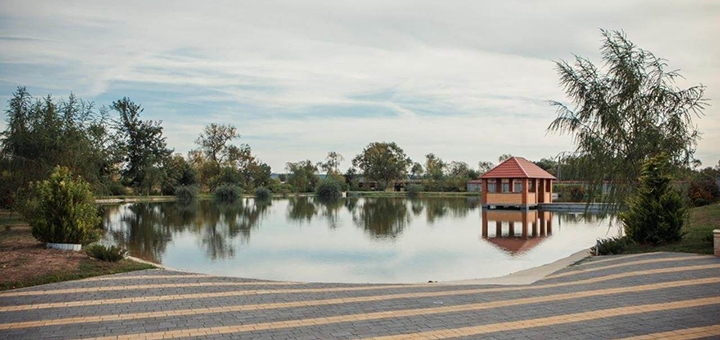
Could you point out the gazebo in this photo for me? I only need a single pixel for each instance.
(516, 183)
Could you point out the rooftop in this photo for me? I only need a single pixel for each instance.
(517, 167)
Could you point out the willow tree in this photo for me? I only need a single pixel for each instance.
(624, 112)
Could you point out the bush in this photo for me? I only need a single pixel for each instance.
(61, 209)
(107, 254)
(262, 194)
(227, 193)
(413, 190)
(577, 193)
(655, 211)
(329, 190)
(703, 192)
(186, 193)
(611, 246)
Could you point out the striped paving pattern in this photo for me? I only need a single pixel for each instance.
(646, 296)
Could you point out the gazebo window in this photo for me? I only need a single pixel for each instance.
(531, 185)
(506, 185)
(491, 186)
(517, 185)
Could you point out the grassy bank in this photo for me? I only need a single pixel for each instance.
(25, 262)
(698, 231)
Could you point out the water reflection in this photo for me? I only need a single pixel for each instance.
(516, 232)
(382, 217)
(146, 228)
(347, 240)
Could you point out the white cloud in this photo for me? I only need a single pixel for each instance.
(466, 80)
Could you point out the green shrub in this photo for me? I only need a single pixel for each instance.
(61, 209)
(655, 211)
(107, 254)
(263, 194)
(329, 190)
(227, 193)
(413, 190)
(703, 192)
(611, 246)
(186, 194)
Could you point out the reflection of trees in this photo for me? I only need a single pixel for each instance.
(146, 228)
(438, 208)
(301, 209)
(144, 233)
(351, 203)
(383, 217)
(416, 205)
(330, 209)
(222, 224)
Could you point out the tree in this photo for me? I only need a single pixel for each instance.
(61, 209)
(383, 162)
(213, 141)
(624, 112)
(302, 175)
(417, 170)
(142, 143)
(178, 172)
(42, 133)
(331, 166)
(484, 166)
(504, 157)
(655, 211)
(547, 164)
(434, 167)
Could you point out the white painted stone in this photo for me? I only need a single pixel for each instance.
(64, 246)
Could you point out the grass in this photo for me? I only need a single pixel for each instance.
(25, 262)
(85, 268)
(698, 236)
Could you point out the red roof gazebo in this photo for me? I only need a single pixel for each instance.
(518, 183)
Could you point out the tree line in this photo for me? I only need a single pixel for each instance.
(119, 153)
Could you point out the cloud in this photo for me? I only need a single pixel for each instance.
(466, 80)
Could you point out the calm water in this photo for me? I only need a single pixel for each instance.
(351, 240)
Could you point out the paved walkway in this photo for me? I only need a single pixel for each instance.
(648, 296)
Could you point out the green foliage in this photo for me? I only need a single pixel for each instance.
(186, 193)
(107, 254)
(413, 190)
(611, 246)
(623, 112)
(655, 212)
(703, 192)
(42, 132)
(263, 194)
(302, 175)
(227, 193)
(142, 145)
(383, 162)
(329, 190)
(60, 209)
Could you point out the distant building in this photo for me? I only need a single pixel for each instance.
(518, 183)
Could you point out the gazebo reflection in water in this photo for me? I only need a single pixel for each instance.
(516, 231)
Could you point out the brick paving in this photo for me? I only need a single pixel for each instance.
(647, 296)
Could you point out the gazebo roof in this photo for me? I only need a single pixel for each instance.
(517, 167)
(515, 245)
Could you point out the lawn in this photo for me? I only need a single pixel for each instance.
(698, 236)
(25, 262)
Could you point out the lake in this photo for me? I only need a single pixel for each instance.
(357, 240)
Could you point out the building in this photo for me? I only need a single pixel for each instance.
(516, 183)
(474, 185)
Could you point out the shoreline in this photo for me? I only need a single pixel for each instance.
(520, 278)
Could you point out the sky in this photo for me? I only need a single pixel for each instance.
(465, 80)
